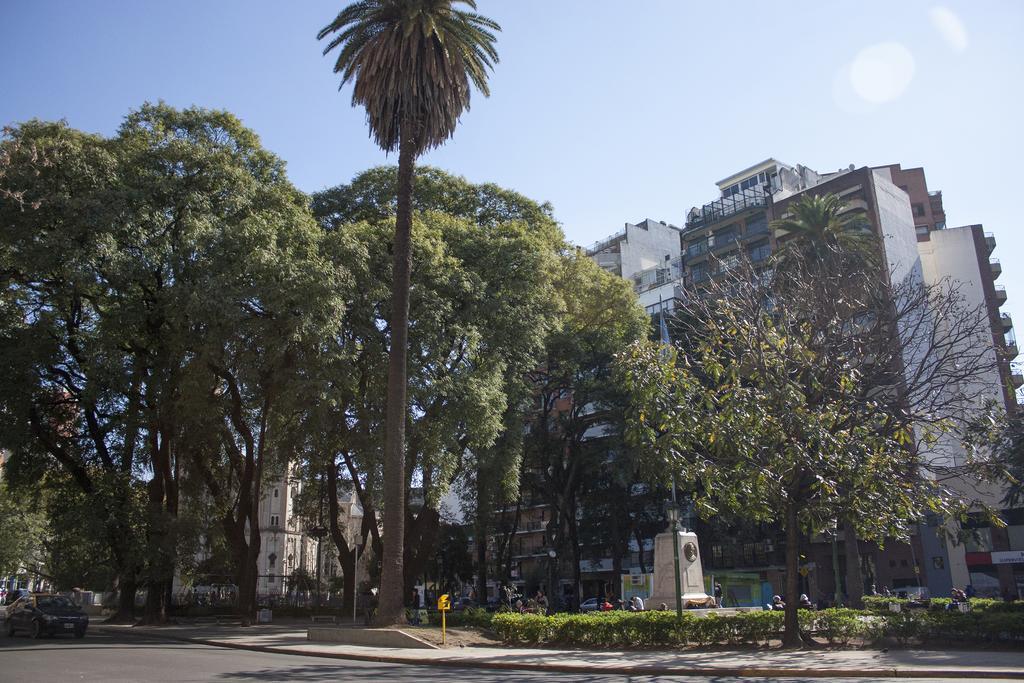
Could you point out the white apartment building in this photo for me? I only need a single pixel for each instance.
(647, 253)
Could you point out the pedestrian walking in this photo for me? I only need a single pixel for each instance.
(718, 595)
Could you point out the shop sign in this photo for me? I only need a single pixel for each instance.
(1008, 557)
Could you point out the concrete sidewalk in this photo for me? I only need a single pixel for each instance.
(288, 639)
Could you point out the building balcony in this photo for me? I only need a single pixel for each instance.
(1011, 350)
(990, 241)
(1016, 378)
(995, 267)
(1007, 321)
(721, 209)
(1001, 294)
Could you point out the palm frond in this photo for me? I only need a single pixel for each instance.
(412, 61)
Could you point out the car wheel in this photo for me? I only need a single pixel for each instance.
(37, 629)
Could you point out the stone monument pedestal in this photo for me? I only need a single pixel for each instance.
(691, 574)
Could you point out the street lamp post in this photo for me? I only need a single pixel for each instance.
(552, 571)
(838, 597)
(673, 517)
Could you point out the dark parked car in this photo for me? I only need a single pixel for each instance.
(50, 614)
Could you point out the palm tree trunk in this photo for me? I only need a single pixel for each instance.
(390, 607)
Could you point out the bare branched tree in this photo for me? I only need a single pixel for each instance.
(818, 391)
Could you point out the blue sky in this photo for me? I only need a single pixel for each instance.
(613, 111)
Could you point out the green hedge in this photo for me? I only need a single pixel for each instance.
(880, 605)
(636, 629)
(837, 626)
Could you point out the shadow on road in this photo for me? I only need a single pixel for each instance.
(330, 672)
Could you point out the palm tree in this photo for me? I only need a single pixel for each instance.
(822, 232)
(411, 63)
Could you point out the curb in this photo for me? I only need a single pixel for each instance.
(609, 669)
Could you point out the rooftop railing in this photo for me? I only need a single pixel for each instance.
(727, 206)
(603, 244)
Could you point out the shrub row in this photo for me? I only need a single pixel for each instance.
(633, 629)
(474, 616)
(837, 626)
(954, 627)
(879, 604)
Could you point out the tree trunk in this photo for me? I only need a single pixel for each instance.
(791, 635)
(617, 546)
(250, 571)
(155, 611)
(574, 539)
(640, 545)
(854, 578)
(346, 555)
(480, 541)
(125, 613)
(420, 545)
(389, 609)
(553, 535)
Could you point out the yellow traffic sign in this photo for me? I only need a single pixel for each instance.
(443, 605)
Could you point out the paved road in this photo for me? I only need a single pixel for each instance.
(116, 658)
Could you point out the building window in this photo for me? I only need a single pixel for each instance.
(724, 238)
(918, 209)
(272, 560)
(275, 493)
(274, 520)
(757, 224)
(921, 229)
(697, 248)
(272, 579)
(760, 252)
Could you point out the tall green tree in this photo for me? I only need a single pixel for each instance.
(411, 63)
(579, 403)
(482, 304)
(783, 409)
(833, 275)
(180, 284)
(67, 399)
(22, 532)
